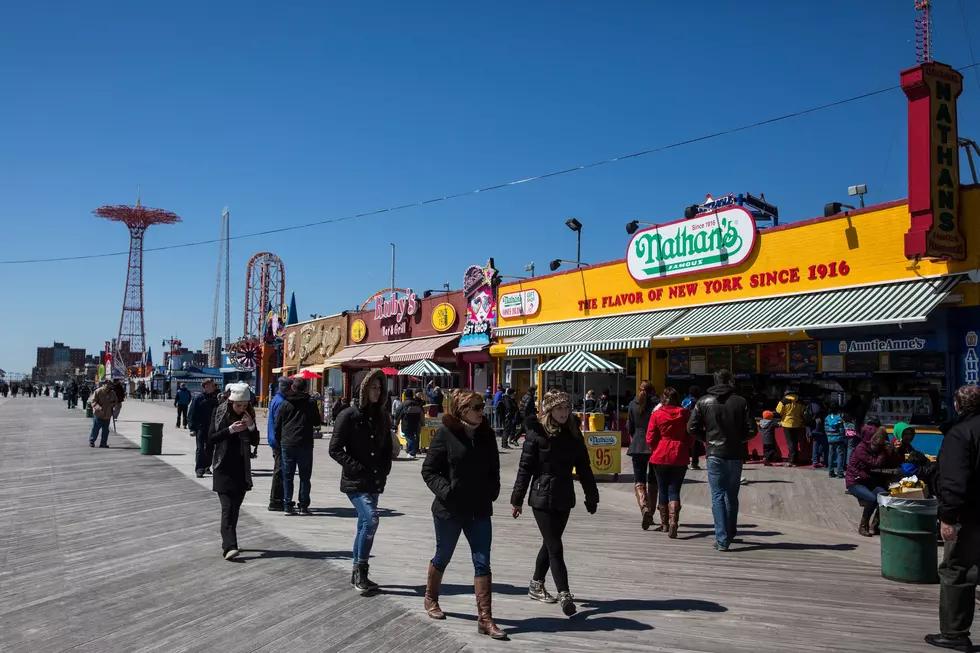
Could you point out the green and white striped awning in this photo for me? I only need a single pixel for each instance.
(505, 331)
(890, 303)
(580, 360)
(630, 331)
(424, 367)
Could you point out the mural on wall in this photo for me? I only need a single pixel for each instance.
(481, 307)
(319, 338)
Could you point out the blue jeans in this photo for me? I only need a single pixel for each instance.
(867, 497)
(724, 477)
(851, 445)
(97, 424)
(366, 506)
(411, 439)
(835, 459)
(669, 481)
(820, 449)
(292, 459)
(479, 534)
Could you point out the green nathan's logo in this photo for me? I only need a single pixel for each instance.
(709, 241)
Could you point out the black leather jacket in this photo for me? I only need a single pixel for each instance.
(723, 420)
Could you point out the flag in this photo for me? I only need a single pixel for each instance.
(149, 358)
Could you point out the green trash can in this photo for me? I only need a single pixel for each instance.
(908, 539)
(88, 411)
(151, 442)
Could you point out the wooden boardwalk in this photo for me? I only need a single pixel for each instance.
(112, 551)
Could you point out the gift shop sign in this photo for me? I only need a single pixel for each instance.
(934, 176)
(711, 240)
(520, 304)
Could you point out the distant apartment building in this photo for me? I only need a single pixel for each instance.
(213, 350)
(55, 362)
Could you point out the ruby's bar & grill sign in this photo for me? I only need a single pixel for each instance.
(711, 240)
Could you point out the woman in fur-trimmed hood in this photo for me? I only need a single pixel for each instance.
(462, 469)
(553, 447)
(361, 443)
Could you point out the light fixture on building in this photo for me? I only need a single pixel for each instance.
(633, 226)
(554, 265)
(860, 190)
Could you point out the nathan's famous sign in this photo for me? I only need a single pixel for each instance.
(711, 240)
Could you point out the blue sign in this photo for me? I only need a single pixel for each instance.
(876, 345)
(971, 372)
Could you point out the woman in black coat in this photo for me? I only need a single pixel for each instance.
(362, 444)
(231, 432)
(462, 469)
(644, 480)
(553, 446)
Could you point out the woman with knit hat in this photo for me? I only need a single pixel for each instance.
(552, 448)
(462, 468)
(232, 432)
(361, 443)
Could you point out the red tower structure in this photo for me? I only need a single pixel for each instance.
(137, 219)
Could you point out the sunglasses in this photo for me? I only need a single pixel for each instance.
(478, 407)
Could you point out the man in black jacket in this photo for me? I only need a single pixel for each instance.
(723, 420)
(199, 418)
(959, 522)
(296, 421)
(410, 415)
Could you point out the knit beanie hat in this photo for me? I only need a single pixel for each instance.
(553, 399)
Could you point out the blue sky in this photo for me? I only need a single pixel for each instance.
(295, 112)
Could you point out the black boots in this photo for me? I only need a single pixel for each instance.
(360, 580)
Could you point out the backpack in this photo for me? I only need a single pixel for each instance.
(809, 419)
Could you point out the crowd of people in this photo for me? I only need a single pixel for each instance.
(462, 469)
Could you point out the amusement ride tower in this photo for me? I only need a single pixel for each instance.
(137, 219)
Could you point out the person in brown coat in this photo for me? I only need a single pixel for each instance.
(103, 404)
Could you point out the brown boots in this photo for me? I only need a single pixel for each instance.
(432, 584)
(876, 523)
(663, 518)
(643, 501)
(674, 512)
(863, 528)
(484, 622)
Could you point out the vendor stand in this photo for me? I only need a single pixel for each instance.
(605, 447)
(422, 370)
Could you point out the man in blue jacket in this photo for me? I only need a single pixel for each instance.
(182, 400)
(199, 422)
(276, 495)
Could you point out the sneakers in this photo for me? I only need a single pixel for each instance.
(199, 474)
(566, 603)
(833, 474)
(721, 547)
(289, 509)
(103, 446)
(362, 583)
(276, 506)
(305, 511)
(91, 444)
(537, 591)
(232, 553)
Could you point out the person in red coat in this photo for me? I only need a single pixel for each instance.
(670, 445)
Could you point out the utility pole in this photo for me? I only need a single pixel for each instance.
(392, 266)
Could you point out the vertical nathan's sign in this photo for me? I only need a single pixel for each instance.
(934, 176)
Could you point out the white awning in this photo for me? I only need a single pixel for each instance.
(581, 361)
(889, 303)
(316, 369)
(629, 331)
(421, 348)
(513, 330)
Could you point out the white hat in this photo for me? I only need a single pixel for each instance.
(239, 392)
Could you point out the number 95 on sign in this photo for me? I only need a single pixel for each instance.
(604, 452)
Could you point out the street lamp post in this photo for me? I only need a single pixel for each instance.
(576, 226)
